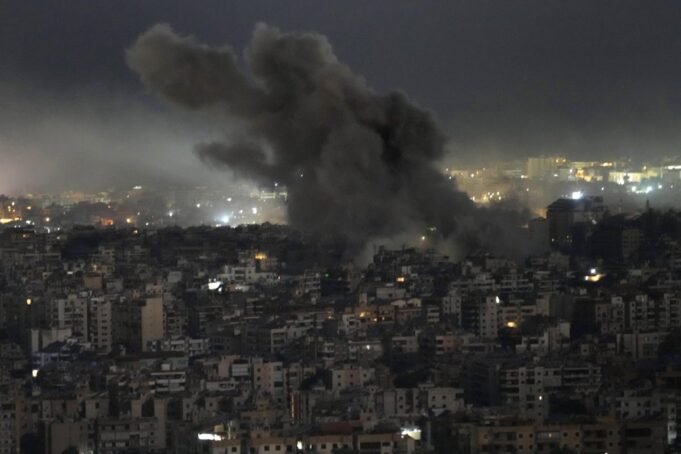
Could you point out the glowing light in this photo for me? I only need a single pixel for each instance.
(411, 432)
(541, 397)
(198, 205)
(214, 285)
(29, 301)
(34, 373)
(225, 219)
(400, 279)
(254, 210)
(171, 214)
(594, 278)
(511, 324)
(128, 221)
(299, 445)
(593, 271)
(497, 300)
(368, 347)
(423, 238)
(260, 256)
(210, 437)
(576, 195)
(47, 219)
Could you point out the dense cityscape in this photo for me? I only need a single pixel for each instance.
(128, 329)
(340, 227)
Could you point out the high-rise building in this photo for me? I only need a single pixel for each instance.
(543, 167)
(151, 321)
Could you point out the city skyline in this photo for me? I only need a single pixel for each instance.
(340, 227)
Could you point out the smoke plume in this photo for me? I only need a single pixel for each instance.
(357, 164)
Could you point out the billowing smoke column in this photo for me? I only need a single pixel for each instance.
(356, 164)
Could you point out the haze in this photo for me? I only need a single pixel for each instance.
(505, 79)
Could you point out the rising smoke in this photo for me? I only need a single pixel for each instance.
(357, 164)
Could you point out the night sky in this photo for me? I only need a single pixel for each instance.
(506, 79)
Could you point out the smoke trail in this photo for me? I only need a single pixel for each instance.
(357, 164)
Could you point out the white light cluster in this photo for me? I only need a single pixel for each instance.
(210, 437)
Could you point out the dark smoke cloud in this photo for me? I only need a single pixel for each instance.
(357, 164)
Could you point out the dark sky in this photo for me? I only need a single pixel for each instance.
(505, 78)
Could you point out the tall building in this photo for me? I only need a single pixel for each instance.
(543, 167)
(100, 328)
(563, 214)
(151, 321)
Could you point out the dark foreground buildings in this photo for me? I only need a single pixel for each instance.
(256, 340)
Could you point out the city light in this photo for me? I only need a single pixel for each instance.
(214, 285)
(258, 323)
(210, 437)
(411, 432)
(593, 278)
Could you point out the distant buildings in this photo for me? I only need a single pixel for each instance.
(248, 339)
(544, 167)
